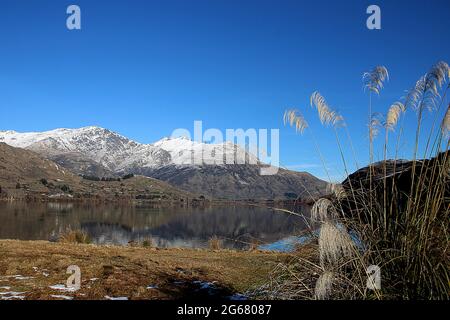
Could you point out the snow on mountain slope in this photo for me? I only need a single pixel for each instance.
(185, 151)
(219, 170)
(120, 154)
(113, 151)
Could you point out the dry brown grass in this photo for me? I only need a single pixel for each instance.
(215, 243)
(74, 236)
(127, 272)
(254, 245)
(295, 277)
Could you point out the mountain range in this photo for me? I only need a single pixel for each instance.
(26, 175)
(189, 165)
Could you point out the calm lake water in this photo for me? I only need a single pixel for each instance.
(168, 227)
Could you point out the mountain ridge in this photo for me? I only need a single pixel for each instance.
(24, 174)
(118, 153)
(189, 165)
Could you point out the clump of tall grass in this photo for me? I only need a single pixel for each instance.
(254, 244)
(74, 236)
(147, 242)
(215, 243)
(393, 214)
(324, 285)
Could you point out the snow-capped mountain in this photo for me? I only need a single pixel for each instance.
(184, 151)
(111, 150)
(120, 154)
(222, 170)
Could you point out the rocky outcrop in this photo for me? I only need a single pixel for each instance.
(393, 180)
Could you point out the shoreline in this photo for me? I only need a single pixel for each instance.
(183, 203)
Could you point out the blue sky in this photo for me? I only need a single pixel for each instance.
(145, 68)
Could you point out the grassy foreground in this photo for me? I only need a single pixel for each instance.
(29, 268)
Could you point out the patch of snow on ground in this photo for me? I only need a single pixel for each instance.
(11, 293)
(115, 298)
(22, 278)
(62, 287)
(14, 297)
(152, 287)
(61, 297)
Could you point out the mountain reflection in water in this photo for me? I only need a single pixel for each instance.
(167, 227)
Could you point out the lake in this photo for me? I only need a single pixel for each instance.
(237, 226)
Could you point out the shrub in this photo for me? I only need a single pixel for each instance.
(127, 176)
(147, 242)
(215, 243)
(91, 178)
(254, 244)
(74, 236)
(65, 188)
(291, 195)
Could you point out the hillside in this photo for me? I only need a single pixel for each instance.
(241, 182)
(24, 173)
